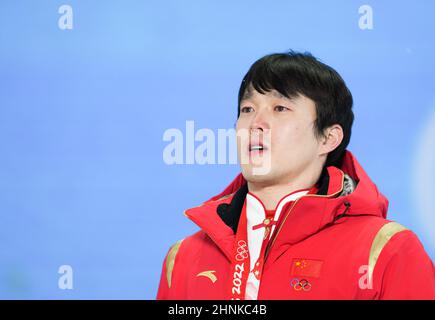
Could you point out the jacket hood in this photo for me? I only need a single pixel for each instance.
(344, 191)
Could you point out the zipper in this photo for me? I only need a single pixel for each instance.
(270, 244)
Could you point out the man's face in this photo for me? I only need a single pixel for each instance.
(276, 135)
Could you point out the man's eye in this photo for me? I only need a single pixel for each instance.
(281, 108)
(246, 109)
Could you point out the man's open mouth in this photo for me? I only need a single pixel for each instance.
(255, 147)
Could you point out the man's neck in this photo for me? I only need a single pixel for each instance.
(271, 194)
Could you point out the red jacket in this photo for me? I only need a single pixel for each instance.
(332, 245)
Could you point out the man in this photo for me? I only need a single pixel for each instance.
(303, 220)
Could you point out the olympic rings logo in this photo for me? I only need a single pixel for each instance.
(299, 285)
(242, 250)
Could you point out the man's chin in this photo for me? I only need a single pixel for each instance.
(257, 175)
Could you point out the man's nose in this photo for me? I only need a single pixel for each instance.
(260, 121)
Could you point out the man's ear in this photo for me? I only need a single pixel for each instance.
(331, 139)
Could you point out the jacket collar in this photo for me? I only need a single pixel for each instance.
(218, 217)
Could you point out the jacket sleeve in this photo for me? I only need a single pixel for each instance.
(408, 272)
(163, 290)
(166, 290)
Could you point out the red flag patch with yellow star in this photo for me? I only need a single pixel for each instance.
(306, 267)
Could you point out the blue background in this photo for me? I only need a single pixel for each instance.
(83, 112)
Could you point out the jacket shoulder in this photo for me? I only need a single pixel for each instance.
(183, 252)
(399, 256)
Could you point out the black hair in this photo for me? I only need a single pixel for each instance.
(295, 73)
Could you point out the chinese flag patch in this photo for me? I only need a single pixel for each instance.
(306, 267)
